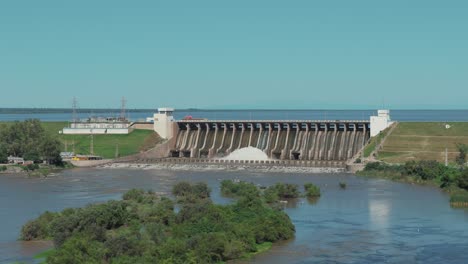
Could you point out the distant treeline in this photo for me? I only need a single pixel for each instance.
(67, 110)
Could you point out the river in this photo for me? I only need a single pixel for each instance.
(370, 221)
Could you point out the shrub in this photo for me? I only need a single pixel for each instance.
(40, 228)
(238, 189)
(31, 167)
(3, 168)
(343, 185)
(462, 180)
(186, 192)
(311, 190)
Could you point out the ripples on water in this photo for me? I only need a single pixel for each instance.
(372, 221)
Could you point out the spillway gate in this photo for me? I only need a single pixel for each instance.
(315, 140)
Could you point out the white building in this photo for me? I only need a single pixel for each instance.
(163, 122)
(380, 122)
(97, 128)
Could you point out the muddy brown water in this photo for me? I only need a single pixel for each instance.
(371, 221)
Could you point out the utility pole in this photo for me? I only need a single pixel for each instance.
(122, 109)
(446, 157)
(116, 149)
(91, 146)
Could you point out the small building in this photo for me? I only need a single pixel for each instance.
(15, 160)
(380, 122)
(163, 122)
(86, 157)
(67, 155)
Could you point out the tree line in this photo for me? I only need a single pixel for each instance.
(29, 140)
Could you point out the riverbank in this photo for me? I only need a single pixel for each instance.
(451, 180)
(34, 170)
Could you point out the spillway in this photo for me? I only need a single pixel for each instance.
(281, 140)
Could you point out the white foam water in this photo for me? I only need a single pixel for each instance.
(248, 153)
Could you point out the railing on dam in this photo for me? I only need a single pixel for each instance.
(318, 140)
(285, 163)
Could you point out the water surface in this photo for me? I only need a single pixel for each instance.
(371, 221)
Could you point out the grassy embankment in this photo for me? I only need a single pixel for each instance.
(105, 145)
(373, 143)
(423, 141)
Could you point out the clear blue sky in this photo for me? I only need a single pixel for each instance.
(235, 54)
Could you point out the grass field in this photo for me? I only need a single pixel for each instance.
(105, 145)
(424, 141)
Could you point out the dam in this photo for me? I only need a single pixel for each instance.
(313, 140)
(312, 143)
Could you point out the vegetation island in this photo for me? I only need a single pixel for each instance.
(146, 228)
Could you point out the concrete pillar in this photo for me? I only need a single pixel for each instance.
(284, 151)
(251, 134)
(241, 135)
(211, 151)
(331, 151)
(224, 137)
(269, 138)
(351, 142)
(313, 147)
(205, 139)
(305, 143)
(343, 142)
(276, 141)
(231, 145)
(324, 145)
(259, 140)
(184, 142)
(193, 152)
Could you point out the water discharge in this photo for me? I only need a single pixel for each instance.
(248, 153)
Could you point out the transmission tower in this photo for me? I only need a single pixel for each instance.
(74, 114)
(122, 108)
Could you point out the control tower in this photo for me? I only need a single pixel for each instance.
(163, 122)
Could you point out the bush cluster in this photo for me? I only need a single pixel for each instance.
(312, 190)
(424, 170)
(144, 228)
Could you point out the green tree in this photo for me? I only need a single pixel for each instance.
(462, 180)
(78, 250)
(462, 150)
(3, 153)
(50, 149)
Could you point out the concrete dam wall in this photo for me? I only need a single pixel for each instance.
(281, 140)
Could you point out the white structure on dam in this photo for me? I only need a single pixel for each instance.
(163, 122)
(380, 122)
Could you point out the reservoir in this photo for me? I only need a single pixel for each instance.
(371, 221)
